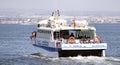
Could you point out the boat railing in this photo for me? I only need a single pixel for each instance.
(77, 41)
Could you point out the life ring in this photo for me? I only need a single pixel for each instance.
(71, 39)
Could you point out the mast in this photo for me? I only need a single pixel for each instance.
(56, 14)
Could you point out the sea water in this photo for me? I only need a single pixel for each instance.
(16, 47)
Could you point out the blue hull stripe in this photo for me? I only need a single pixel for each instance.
(49, 49)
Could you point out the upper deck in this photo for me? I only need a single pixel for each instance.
(56, 23)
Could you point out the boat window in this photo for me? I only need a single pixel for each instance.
(56, 35)
(85, 34)
(61, 34)
(44, 34)
(64, 34)
(79, 34)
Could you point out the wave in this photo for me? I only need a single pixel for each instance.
(79, 60)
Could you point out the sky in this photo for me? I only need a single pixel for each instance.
(65, 5)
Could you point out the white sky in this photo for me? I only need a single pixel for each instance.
(70, 5)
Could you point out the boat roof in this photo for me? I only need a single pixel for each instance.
(66, 28)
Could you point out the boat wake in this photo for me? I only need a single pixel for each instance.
(113, 59)
(78, 60)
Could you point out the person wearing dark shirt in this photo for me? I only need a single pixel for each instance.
(71, 35)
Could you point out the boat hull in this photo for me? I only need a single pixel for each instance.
(66, 53)
(71, 50)
(46, 51)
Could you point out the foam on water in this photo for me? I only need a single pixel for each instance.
(113, 59)
(78, 60)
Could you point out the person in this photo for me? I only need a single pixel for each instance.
(71, 35)
(97, 39)
(33, 35)
(71, 38)
(73, 22)
(61, 39)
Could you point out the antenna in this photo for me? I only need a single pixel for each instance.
(56, 14)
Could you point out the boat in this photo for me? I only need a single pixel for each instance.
(58, 37)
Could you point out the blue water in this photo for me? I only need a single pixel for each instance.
(110, 33)
(16, 47)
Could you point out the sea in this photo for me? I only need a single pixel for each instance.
(16, 47)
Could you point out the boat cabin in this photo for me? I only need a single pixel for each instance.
(79, 35)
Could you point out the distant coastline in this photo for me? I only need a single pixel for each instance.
(20, 16)
(35, 19)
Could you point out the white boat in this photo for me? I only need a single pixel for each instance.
(57, 37)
